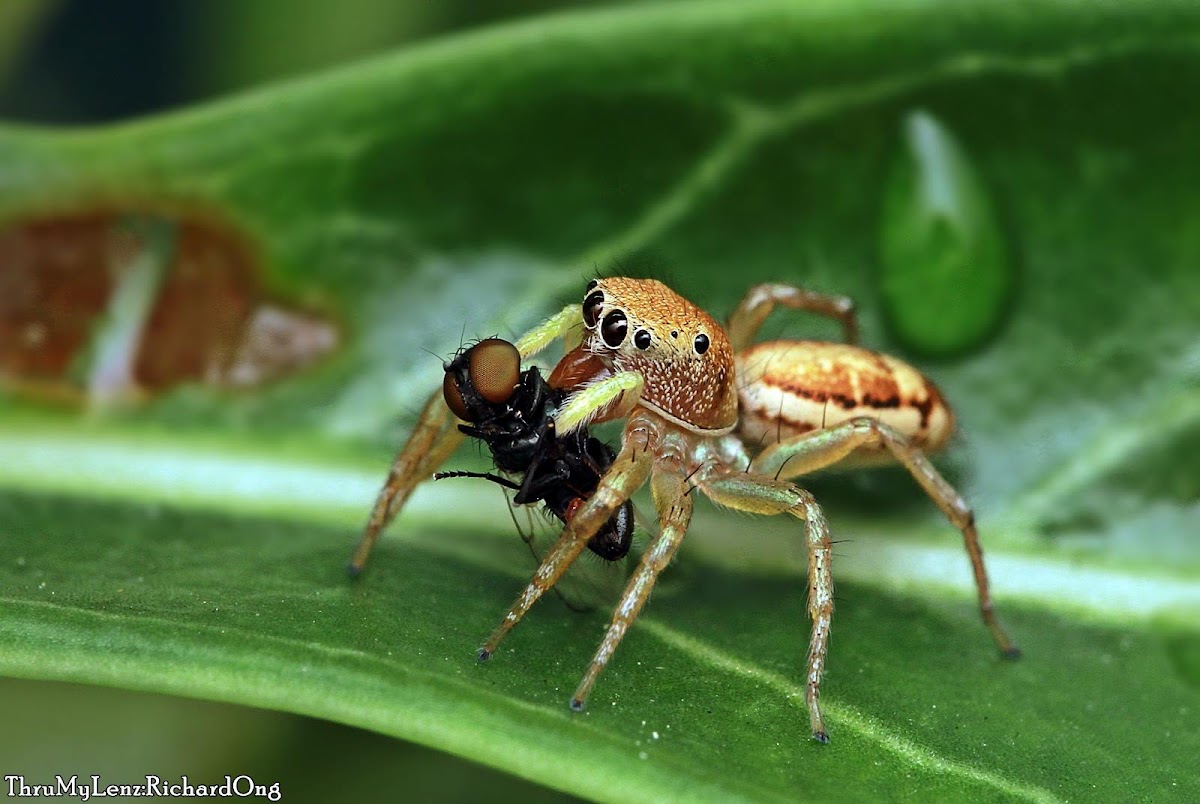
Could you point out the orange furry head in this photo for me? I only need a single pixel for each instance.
(681, 352)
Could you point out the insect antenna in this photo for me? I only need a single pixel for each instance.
(501, 481)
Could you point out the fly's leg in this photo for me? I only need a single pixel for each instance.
(760, 494)
(623, 478)
(817, 450)
(674, 506)
(436, 436)
(760, 300)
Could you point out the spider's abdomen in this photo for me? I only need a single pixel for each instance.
(786, 388)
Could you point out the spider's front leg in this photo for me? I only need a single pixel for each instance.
(674, 506)
(627, 473)
(759, 494)
(436, 436)
(760, 300)
(816, 450)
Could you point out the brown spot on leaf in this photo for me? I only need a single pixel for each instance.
(54, 283)
(209, 320)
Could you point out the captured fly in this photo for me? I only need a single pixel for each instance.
(513, 413)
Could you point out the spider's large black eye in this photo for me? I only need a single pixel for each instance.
(641, 339)
(614, 328)
(591, 285)
(591, 308)
(701, 343)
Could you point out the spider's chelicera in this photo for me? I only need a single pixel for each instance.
(708, 410)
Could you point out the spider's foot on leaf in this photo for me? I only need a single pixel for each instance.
(576, 705)
(821, 737)
(1011, 653)
(483, 655)
(353, 570)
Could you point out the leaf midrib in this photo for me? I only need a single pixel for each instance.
(341, 494)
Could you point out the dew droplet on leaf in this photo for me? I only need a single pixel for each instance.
(946, 270)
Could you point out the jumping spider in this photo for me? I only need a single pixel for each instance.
(698, 400)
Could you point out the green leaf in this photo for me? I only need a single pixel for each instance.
(196, 545)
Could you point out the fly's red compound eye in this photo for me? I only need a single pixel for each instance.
(495, 369)
(454, 399)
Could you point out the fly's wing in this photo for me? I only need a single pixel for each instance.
(591, 582)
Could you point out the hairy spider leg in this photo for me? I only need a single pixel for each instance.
(674, 506)
(761, 494)
(810, 452)
(433, 440)
(623, 389)
(624, 477)
(760, 300)
(436, 436)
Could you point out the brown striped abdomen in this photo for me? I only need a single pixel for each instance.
(786, 388)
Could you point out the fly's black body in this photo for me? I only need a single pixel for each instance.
(513, 413)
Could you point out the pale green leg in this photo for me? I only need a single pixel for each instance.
(674, 506)
(435, 438)
(816, 450)
(623, 478)
(760, 300)
(585, 404)
(759, 494)
(556, 326)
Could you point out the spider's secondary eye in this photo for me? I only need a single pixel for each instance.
(591, 285)
(641, 339)
(591, 308)
(495, 369)
(614, 328)
(701, 343)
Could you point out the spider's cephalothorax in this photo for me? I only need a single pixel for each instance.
(512, 411)
(643, 327)
(679, 379)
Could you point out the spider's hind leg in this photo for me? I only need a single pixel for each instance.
(760, 300)
(819, 449)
